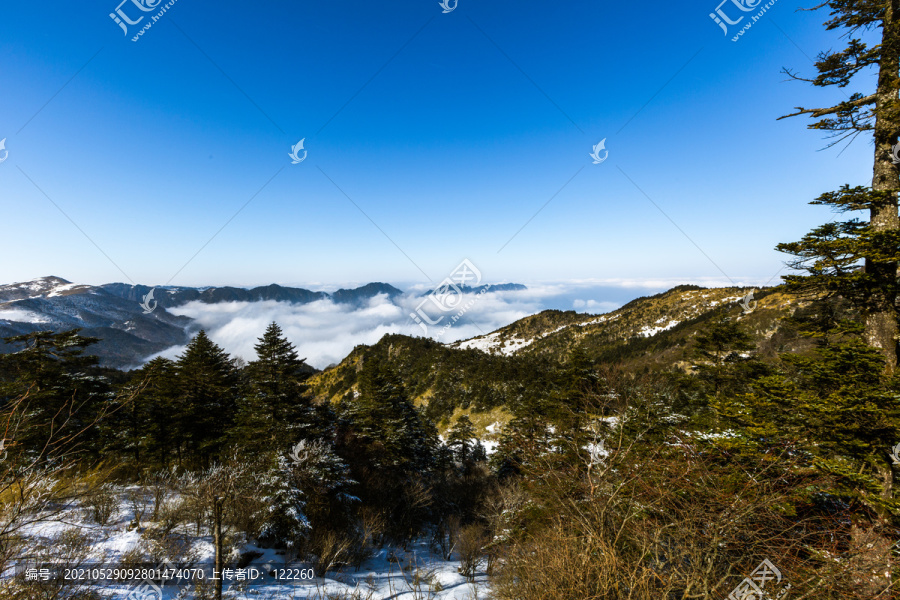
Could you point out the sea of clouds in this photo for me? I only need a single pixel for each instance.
(325, 332)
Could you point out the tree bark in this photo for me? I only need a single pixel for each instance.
(881, 319)
(217, 542)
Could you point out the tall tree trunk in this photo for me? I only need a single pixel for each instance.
(881, 319)
(873, 561)
(217, 542)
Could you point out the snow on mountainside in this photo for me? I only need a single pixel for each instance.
(51, 303)
(113, 312)
(643, 317)
(43, 286)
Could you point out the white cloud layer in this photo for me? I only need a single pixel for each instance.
(325, 333)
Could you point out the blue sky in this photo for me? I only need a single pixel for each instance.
(449, 131)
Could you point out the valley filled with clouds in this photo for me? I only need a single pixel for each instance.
(325, 332)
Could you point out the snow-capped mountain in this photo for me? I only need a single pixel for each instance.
(52, 303)
(130, 334)
(550, 331)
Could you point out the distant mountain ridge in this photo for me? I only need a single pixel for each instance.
(169, 296)
(477, 376)
(129, 334)
(495, 287)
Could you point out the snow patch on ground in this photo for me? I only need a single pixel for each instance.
(513, 345)
(58, 290)
(484, 343)
(389, 574)
(651, 331)
(599, 320)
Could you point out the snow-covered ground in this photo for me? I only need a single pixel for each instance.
(414, 573)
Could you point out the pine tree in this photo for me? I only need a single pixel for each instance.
(207, 389)
(526, 438)
(154, 435)
(834, 407)
(384, 414)
(390, 446)
(724, 349)
(461, 440)
(62, 387)
(859, 259)
(276, 407)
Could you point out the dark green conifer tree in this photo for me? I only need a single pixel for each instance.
(725, 353)
(207, 392)
(276, 410)
(461, 439)
(66, 393)
(858, 259)
(155, 431)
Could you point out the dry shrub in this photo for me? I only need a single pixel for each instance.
(160, 485)
(332, 549)
(673, 523)
(562, 564)
(170, 514)
(70, 547)
(446, 535)
(102, 504)
(160, 548)
(139, 503)
(470, 546)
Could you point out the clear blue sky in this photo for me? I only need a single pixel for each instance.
(450, 131)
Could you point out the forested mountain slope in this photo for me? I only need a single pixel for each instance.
(511, 363)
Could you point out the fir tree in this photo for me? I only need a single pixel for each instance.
(276, 407)
(460, 439)
(62, 388)
(859, 259)
(207, 389)
(724, 351)
(155, 430)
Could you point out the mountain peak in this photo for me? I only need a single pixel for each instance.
(50, 285)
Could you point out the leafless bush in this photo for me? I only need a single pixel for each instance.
(102, 504)
(170, 514)
(160, 485)
(445, 536)
(472, 540)
(669, 521)
(331, 549)
(168, 547)
(70, 547)
(138, 502)
(421, 582)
